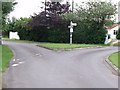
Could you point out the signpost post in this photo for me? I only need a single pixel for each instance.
(71, 30)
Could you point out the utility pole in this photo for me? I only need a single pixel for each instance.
(45, 8)
(119, 11)
(72, 5)
(0, 22)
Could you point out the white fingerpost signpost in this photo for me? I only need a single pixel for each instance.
(71, 30)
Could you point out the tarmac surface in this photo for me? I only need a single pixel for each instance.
(37, 67)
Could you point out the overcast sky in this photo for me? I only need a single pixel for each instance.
(25, 8)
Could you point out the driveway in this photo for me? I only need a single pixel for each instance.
(36, 67)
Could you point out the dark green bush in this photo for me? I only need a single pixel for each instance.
(89, 33)
(118, 34)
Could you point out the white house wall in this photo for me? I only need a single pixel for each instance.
(111, 32)
(14, 35)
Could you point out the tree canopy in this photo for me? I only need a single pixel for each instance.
(118, 34)
(93, 11)
(91, 18)
(51, 16)
(51, 25)
(7, 7)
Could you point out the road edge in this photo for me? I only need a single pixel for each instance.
(71, 48)
(117, 71)
(4, 81)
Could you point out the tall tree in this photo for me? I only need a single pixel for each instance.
(118, 34)
(51, 16)
(109, 22)
(94, 11)
(7, 7)
(91, 18)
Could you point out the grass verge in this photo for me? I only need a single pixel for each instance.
(15, 40)
(5, 56)
(114, 59)
(56, 46)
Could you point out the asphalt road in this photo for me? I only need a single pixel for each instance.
(36, 67)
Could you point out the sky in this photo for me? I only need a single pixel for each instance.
(25, 8)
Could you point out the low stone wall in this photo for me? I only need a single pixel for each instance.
(117, 41)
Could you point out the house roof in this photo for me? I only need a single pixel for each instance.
(112, 26)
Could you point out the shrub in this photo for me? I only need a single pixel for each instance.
(118, 34)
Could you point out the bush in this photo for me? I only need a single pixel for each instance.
(118, 34)
(89, 33)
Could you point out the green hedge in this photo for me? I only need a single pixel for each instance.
(89, 33)
(40, 34)
(118, 34)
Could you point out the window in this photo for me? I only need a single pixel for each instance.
(108, 36)
(115, 32)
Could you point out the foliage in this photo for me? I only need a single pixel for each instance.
(51, 25)
(9, 26)
(96, 11)
(91, 18)
(118, 34)
(7, 7)
(7, 55)
(22, 28)
(19, 25)
(51, 16)
(109, 22)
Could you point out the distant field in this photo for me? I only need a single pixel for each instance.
(5, 57)
(114, 59)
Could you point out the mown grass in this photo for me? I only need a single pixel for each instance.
(5, 56)
(55, 46)
(114, 58)
(15, 40)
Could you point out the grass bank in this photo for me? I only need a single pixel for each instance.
(56, 46)
(15, 40)
(5, 56)
(114, 59)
